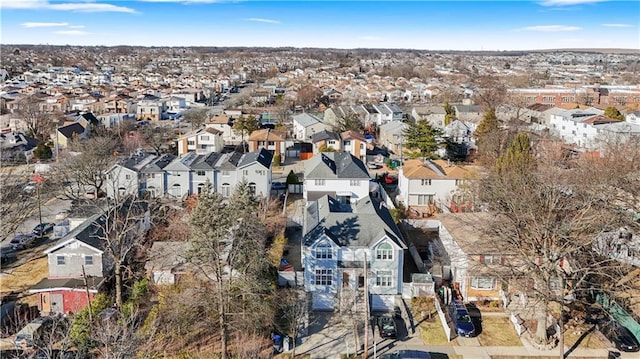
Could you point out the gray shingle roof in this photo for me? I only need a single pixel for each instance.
(335, 165)
(360, 225)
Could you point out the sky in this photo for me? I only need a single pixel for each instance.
(423, 25)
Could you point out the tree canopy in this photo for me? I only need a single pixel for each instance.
(613, 113)
(422, 136)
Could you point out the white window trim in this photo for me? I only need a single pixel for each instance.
(475, 282)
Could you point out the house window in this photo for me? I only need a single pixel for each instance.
(384, 252)
(225, 173)
(490, 259)
(459, 182)
(332, 142)
(127, 177)
(204, 138)
(260, 172)
(226, 190)
(245, 172)
(324, 251)
(252, 188)
(426, 182)
(347, 143)
(354, 183)
(61, 260)
(384, 279)
(88, 260)
(271, 143)
(424, 199)
(483, 283)
(320, 182)
(324, 277)
(200, 173)
(191, 143)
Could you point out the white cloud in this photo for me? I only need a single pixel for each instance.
(30, 25)
(568, 2)
(68, 6)
(71, 32)
(550, 28)
(371, 38)
(617, 25)
(76, 26)
(266, 21)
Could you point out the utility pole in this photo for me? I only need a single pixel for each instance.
(86, 286)
(366, 309)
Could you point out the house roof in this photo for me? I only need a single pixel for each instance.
(137, 162)
(393, 127)
(68, 130)
(359, 225)
(167, 255)
(469, 230)
(335, 165)
(229, 161)
(306, 120)
(438, 169)
(324, 135)
(159, 163)
(262, 157)
(48, 284)
(467, 108)
(265, 135)
(353, 135)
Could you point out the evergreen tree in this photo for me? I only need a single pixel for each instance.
(518, 156)
(42, 151)
(422, 136)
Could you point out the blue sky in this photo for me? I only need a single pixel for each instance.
(430, 25)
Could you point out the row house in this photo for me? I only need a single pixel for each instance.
(392, 136)
(433, 114)
(177, 177)
(343, 240)
(378, 114)
(601, 96)
(224, 124)
(268, 139)
(577, 126)
(305, 125)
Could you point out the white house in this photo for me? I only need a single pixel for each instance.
(126, 178)
(339, 174)
(578, 127)
(341, 241)
(204, 140)
(305, 125)
(430, 186)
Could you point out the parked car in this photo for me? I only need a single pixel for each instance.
(407, 354)
(31, 334)
(621, 337)
(29, 187)
(387, 327)
(22, 241)
(7, 255)
(62, 215)
(390, 179)
(43, 229)
(461, 319)
(278, 186)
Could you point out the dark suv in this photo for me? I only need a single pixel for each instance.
(387, 327)
(461, 319)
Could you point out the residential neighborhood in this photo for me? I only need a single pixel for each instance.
(267, 203)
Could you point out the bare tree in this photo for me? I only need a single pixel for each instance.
(196, 117)
(308, 96)
(15, 204)
(38, 121)
(158, 137)
(294, 308)
(545, 218)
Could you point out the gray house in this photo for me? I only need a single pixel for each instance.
(126, 178)
(338, 239)
(155, 175)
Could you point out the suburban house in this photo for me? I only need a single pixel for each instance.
(354, 143)
(204, 140)
(268, 139)
(460, 136)
(78, 264)
(167, 262)
(325, 140)
(433, 114)
(468, 113)
(305, 125)
(70, 132)
(16, 146)
(343, 240)
(150, 108)
(578, 126)
(224, 124)
(126, 178)
(338, 174)
(392, 136)
(427, 187)
(155, 176)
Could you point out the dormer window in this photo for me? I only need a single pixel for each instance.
(323, 251)
(384, 252)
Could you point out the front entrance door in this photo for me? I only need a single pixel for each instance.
(46, 302)
(345, 279)
(57, 303)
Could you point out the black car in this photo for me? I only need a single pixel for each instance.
(43, 229)
(621, 337)
(278, 186)
(407, 354)
(387, 327)
(461, 319)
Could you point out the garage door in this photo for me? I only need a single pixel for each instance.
(382, 303)
(322, 301)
